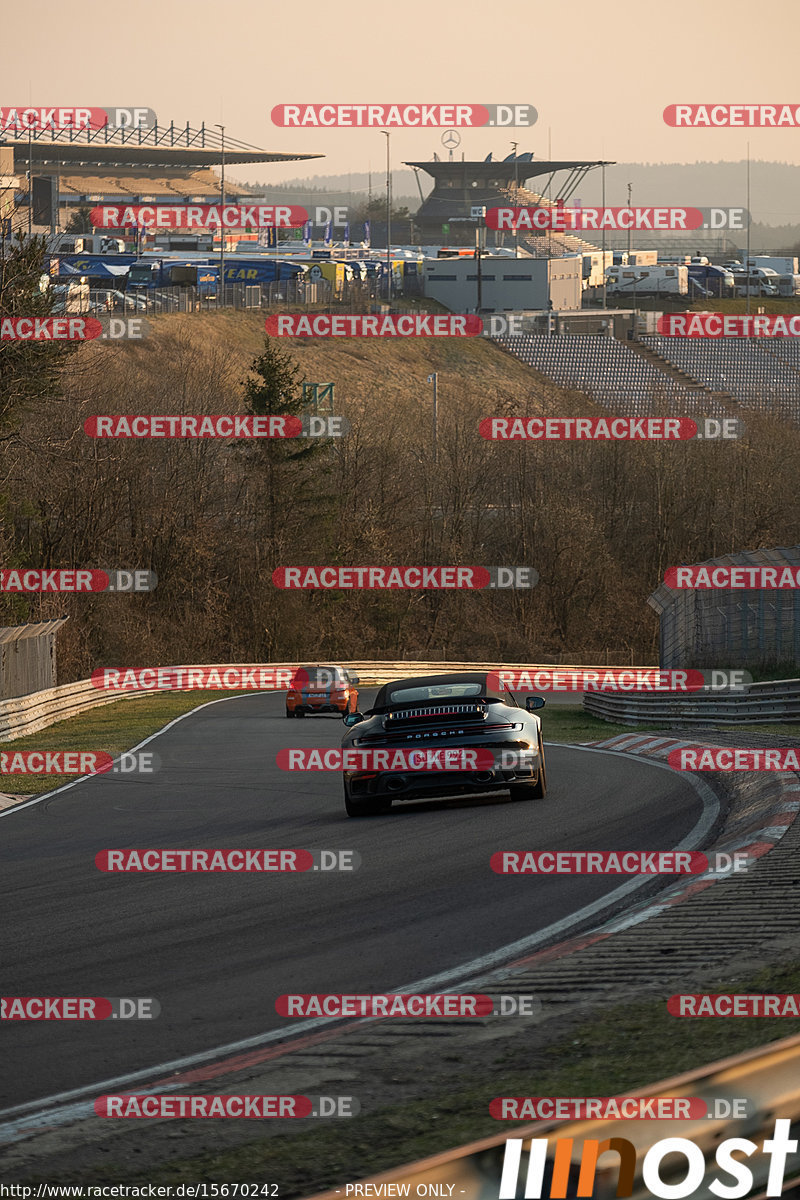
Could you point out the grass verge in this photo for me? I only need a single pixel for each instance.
(112, 727)
(572, 724)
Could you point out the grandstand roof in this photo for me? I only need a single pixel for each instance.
(159, 146)
(521, 168)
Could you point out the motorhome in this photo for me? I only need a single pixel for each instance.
(789, 285)
(650, 280)
(762, 282)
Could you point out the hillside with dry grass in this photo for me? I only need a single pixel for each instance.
(214, 518)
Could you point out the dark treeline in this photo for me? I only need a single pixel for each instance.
(599, 522)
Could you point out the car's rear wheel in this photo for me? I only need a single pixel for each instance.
(536, 790)
(299, 712)
(290, 712)
(365, 808)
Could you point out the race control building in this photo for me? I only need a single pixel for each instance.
(460, 186)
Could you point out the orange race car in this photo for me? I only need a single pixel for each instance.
(322, 689)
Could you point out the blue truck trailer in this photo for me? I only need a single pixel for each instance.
(259, 270)
(151, 273)
(203, 271)
(706, 279)
(102, 270)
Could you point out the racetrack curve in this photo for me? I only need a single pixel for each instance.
(217, 949)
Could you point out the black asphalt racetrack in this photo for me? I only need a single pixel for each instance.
(217, 949)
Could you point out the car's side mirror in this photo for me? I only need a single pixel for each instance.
(353, 718)
(534, 702)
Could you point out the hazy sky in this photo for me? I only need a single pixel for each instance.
(599, 74)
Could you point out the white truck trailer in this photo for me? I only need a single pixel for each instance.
(780, 264)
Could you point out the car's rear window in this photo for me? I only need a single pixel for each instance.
(435, 691)
(322, 677)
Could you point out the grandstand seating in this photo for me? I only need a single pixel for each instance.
(760, 374)
(119, 185)
(554, 244)
(611, 374)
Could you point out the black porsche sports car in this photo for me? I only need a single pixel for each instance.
(449, 713)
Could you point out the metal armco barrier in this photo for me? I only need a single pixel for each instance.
(768, 1078)
(761, 704)
(29, 714)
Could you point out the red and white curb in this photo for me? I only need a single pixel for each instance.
(754, 838)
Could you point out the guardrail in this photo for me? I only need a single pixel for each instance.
(766, 1077)
(29, 714)
(761, 704)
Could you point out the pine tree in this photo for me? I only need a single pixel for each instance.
(28, 369)
(272, 389)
